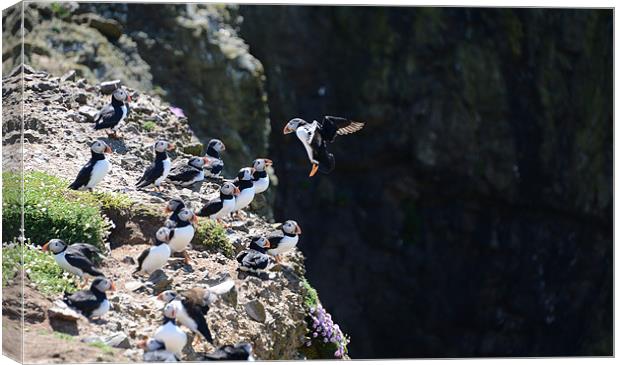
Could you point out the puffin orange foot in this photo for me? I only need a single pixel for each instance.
(315, 168)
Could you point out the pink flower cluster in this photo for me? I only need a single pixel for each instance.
(325, 330)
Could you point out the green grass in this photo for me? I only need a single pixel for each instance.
(60, 10)
(51, 210)
(212, 236)
(149, 126)
(311, 297)
(63, 336)
(40, 267)
(107, 349)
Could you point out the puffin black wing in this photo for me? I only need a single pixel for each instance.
(194, 310)
(183, 173)
(141, 258)
(332, 126)
(216, 169)
(152, 173)
(228, 352)
(85, 249)
(108, 117)
(82, 262)
(83, 176)
(275, 240)
(84, 300)
(212, 207)
(255, 260)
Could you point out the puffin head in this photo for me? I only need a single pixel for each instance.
(217, 145)
(167, 296)
(197, 162)
(161, 146)
(292, 125)
(100, 147)
(163, 234)
(260, 164)
(186, 215)
(245, 173)
(174, 204)
(121, 95)
(169, 311)
(261, 242)
(55, 245)
(102, 284)
(291, 227)
(229, 188)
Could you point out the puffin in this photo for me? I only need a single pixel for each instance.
(315, 137)
(239, 352)
(76, 259)
(156, 256)
(112, 116)
(173, 338)
(157, 172)
(181, 235)
(218, 208)
(155, 351)
(95, 169)
(191, 173)
(260, 177)
(93, 302)
(214, 168)
(192, 305)
(255, 259)
(245, 183)
(174, 206)
(286, 241)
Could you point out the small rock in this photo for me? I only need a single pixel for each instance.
(230, 297)
(45, 86)
(108, 87)
(129, 260)
(81, 98)
(65, 313)
(81, 83)
(89, 112)
(133, 285)
(69, 76)
(75, 117)
(256, 311)
(118, 339)
(159, 281)
(155, 199)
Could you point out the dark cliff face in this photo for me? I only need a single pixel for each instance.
(472, 216)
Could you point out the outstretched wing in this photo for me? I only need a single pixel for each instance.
(332, 126)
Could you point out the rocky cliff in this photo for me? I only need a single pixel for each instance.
(477, 201)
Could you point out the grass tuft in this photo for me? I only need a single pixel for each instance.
(212, 236)
(149, 126)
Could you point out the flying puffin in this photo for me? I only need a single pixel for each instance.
(286, 241)
(92, 302)
(173, 338)
(239, 352)
(214, 154)
(113, 115)
(181, 235)
(174, 206)
(157, 172)
(155, 351)
(192, 305)
(76, 259)
(156, 256)
(218, 208)
(316, 135)
(190, 173)
(95, 169)
(260, 177)
(255, 259)
(246, 187)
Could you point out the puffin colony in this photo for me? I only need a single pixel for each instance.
(188, 308)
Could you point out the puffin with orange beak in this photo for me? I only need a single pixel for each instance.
(157, 172)
(218, 208)
(181, 235)
(286, 241)
(169, 334)
(260, 177)
(95, 169)
(245, 183)
(316, 135)
(112, 116)
(190, 173)
(255, 259)
(93, 302)
(174, 206)
(76, 259)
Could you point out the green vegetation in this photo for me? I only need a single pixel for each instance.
(107, 349)
(51, 210)
(63, 336)
(149, 126)
(194, 149)
(311, 298)
(40, 267)
(60, 10)
(212, 236)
